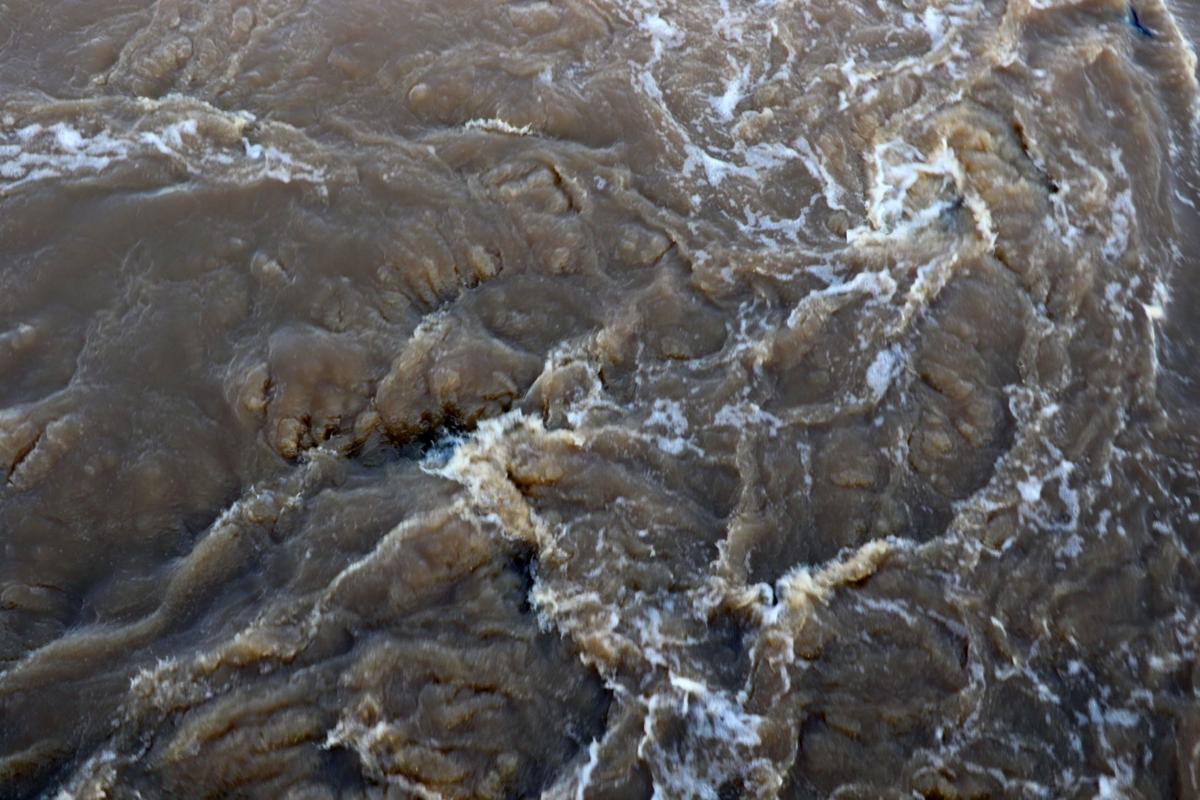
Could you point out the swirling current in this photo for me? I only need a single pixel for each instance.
(599, 399)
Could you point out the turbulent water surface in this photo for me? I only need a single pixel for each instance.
(599, 399)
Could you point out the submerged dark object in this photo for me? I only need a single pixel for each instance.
(1136, 23)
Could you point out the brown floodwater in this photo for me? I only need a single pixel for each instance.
(599, 399)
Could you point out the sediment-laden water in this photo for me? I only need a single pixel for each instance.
(599, 399)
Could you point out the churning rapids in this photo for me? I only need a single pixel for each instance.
(599, 399)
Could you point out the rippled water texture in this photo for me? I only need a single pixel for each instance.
(599, 399)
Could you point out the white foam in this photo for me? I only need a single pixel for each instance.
(898, 166)
(37, 152)
(668, 416)
(883, 371)
(585, 772)
(497, 125)
(727, 101)
(831, 189)
(663, 33)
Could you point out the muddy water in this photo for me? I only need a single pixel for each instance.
(599, 399)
